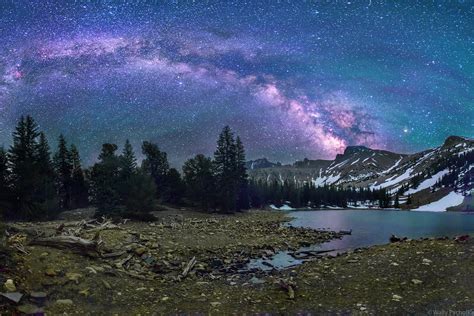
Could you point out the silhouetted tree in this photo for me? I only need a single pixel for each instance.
(174, 187)
(200, 182)
(63, 167)
(22, 158)
(79, 187)
(225, 171)
(155, 164)
(128, 161)
(105, 181)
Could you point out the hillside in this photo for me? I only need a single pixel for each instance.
(434, 179)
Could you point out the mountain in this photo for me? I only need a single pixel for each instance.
(436, 178)
(260, 163)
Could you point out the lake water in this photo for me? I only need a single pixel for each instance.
(370, 227)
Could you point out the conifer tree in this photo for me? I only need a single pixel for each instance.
(24, 173)
(396, 203)
(105, 181)
(155, 164)
(128, 161)
(46, 191)
(63, 167)
(243, 201)
(200, 182)
(79, 194)
(226, 171)
(5, 198)
(174, 187)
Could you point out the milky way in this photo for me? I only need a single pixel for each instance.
(294, 79)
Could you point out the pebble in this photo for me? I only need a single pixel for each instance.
(396, 298)
(416, 281)
(140, 251)
(426, 262)
(29, 309)
(64, 302)
(10, 285)
(71, 276)
(13, 296)
(50, 272)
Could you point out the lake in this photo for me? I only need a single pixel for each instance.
(369, 228)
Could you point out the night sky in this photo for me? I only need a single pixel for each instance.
(294, 79)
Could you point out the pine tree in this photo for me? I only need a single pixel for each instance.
(46, 191)
(79, 194)
(105, 181)
(225, 171)
(200, 182)
(156, 165)
(24, 173)
(174, 187)
(5, 194)
(243, 201)
(396, 204)
(128, 161)
(63, 167)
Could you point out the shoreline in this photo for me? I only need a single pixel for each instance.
(214, 284)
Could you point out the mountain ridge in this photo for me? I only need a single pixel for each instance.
(416, 175)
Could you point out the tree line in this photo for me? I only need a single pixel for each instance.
(262, 193)
(38, 184)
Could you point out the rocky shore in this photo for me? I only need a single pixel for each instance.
(192, 262)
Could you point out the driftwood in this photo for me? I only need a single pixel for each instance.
(395, 238)
(288, 287)
(76, 244)
(189, 267)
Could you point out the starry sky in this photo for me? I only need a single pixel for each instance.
(294, 79)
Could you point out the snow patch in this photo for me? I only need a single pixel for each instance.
(392, 181)
(428, 182)
(284, 207)
(452, 199)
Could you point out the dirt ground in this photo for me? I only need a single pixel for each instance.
(189, 262)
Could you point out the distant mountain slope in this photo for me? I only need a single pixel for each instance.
(425, 177)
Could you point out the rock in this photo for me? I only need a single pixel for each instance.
(38, 297)
(13, 296)
(64, 302)
(140, 251)
(396, 298)
(44, 254)
(29, 309)
(50, 272)
(10, 285)
(107, 285)
(215, 304)
(71, 276)
(416, 281)
(426, 262)
(165, 298)
(255, 280)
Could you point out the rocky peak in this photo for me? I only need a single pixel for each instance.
(350, 150)
(454, 140)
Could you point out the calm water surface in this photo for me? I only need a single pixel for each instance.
(370, 227)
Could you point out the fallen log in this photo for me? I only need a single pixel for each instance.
(289, 287)
(73, 243)
(189, 267)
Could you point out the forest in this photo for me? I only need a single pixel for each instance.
(38, 184)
